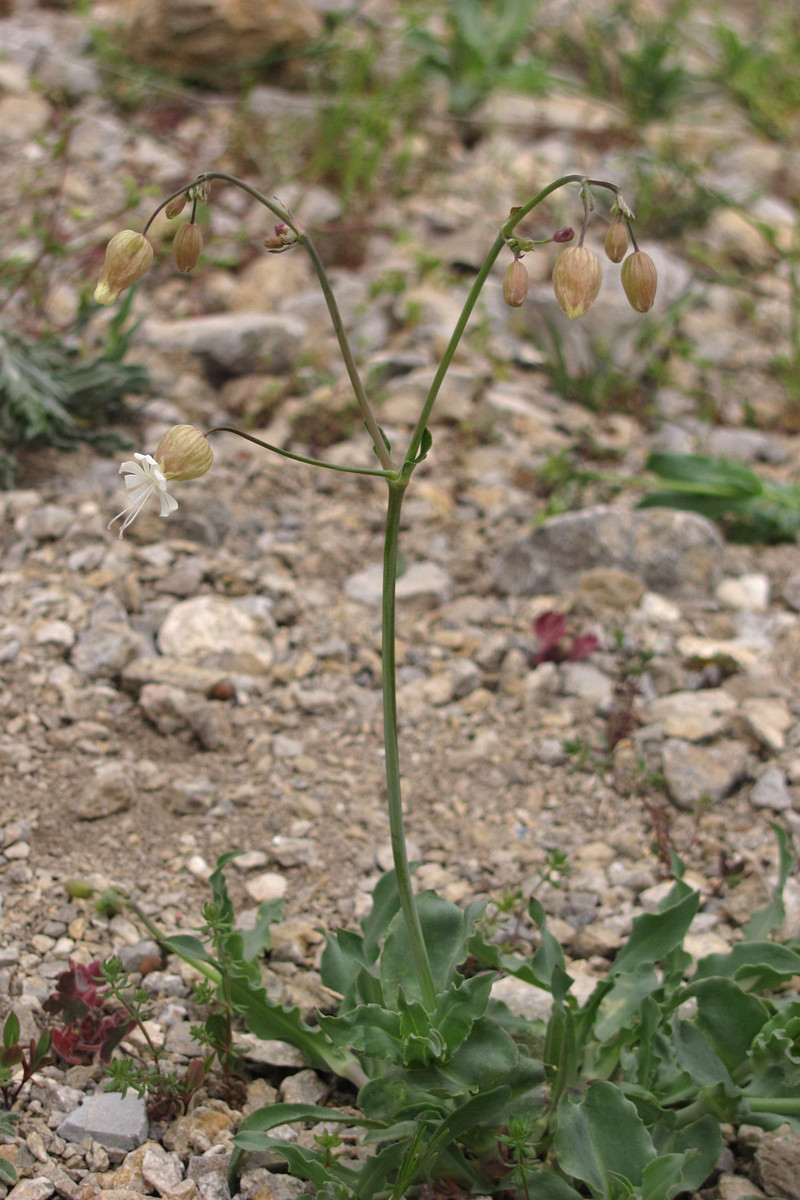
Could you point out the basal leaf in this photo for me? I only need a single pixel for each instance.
(654, 934)
(601, 1136)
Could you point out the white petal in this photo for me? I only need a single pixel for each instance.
(168, 504)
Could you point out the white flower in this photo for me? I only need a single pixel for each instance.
(143, 479)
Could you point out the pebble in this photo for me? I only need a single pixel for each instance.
(770, 791)
(697, 773)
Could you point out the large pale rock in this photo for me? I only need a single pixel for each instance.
(216, 631)
(214, 37)
(232, 343)
(675, 553)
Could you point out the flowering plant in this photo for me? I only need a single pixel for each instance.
(619, 1097)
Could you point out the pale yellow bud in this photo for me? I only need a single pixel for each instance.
(515, 283)
(639, 279)
(176, 206)
(129, 256)
(616, 243)
(183, 453)
(187, 246)
(577, 276)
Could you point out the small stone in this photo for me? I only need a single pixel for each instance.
(748, 592)
(769, 720)
(694, 773)
(422, 579)
(110, 790)
(210, 1173)
(104, 650)
(162, 1170)
(32, 1189)
(778, 1163)
(267, 886)
(737, 1187)
(695, 716)
(770, 791)
(304, 1087)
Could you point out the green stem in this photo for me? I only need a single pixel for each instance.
(469, 304)
(391, 750)
(381, 449)
(301, 458)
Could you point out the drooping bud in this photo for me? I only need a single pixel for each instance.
(564, 235)
(129, 256)
(183, 453)
(176, 206)
(639, 279)
(577, 276)
(515, 283)
(187, 246)
(616, 243)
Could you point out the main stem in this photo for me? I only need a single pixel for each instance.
(391, 749)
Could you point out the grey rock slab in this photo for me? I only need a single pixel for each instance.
(117, 1122)
(675, 553)
(695, 772)
(238, 343)
(770, 791)
(778, 1163)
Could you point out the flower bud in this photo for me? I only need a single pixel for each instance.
(616, 243)
(577, 276)
(639, 279)
(176, 206)
(187, 246)
(515, 283)
(129, 256)
(564, 235)
(183, 453)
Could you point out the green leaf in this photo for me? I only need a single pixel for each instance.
(752, 965)
(720, 476)
(7, 1173)
(654, 934)
(621, 1004)
(663, 1177)
(258, 939)
(446, 942)
(766, 920)
(11, 1030)
(695, 1054)
(187, 947)
(729, 1017)
(544, 1185)
(253, 1131)
(485, 1057)
(701, 1144)
(601, 1136)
